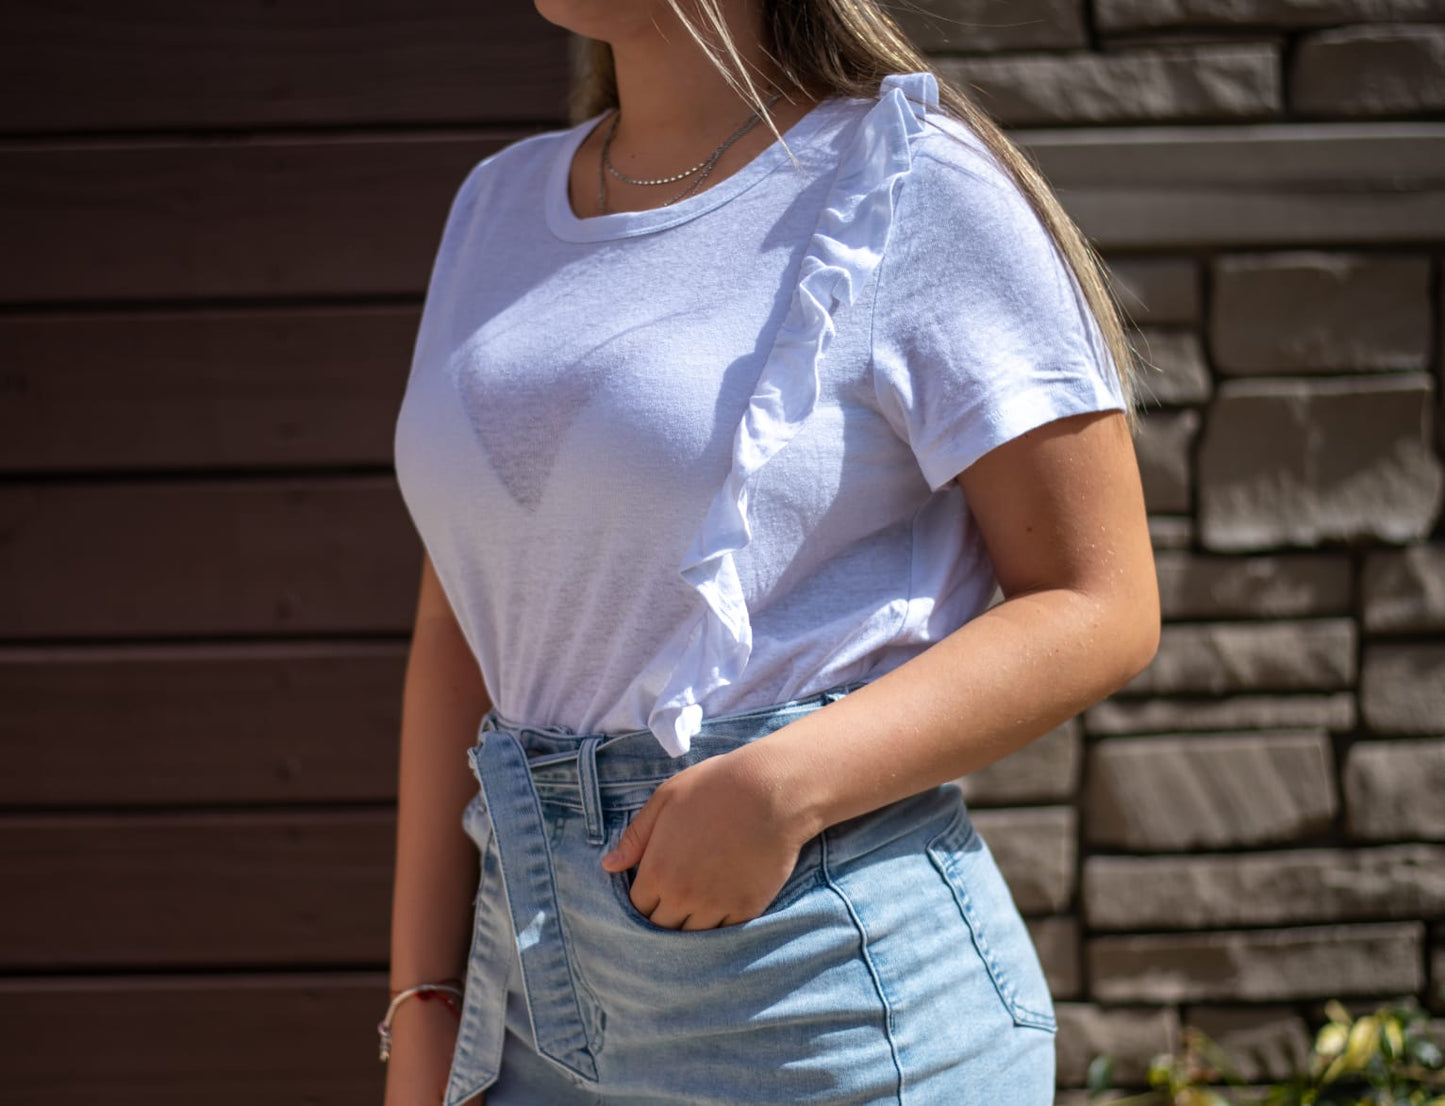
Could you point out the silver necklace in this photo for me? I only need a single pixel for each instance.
(705, 166)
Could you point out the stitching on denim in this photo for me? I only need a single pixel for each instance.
(567, 963)
(570, 784)
(888, 1027)
(593, 1019)
(809, 702)
(467, 1031)
(959, 833)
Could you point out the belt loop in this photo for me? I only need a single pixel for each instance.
(591, 793)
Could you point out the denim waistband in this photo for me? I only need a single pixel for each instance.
(516, 766)
(601, 772)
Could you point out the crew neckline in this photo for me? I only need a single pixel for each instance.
(566, 224)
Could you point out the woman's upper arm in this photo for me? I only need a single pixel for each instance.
(432, 601)
(1062, 506)
(980, 329)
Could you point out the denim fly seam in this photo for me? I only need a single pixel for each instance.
(867, 956)
(565, 1028)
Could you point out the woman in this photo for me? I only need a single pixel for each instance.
(729, 407)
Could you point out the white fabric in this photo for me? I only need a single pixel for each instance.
(698, 459)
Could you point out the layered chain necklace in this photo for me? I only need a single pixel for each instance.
(703, 168)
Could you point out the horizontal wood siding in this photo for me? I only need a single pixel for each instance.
(237, 218)
(166, 64)
(270, 722)
(224, 388)
(208, 556)
(218, 222)
(176, 1039)
(207, 889)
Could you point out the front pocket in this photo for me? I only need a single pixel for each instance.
(1002, 939)
(806, 875)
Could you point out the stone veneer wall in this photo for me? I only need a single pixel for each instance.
(1257, 823)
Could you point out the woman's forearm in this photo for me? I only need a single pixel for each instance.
(1000, 681)
(443, 701)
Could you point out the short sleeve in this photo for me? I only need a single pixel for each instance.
(980, 332)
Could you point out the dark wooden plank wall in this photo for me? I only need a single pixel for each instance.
(216, 222)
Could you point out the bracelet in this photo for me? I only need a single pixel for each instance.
(423, 991)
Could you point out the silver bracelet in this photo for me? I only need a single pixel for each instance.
(383, 1027)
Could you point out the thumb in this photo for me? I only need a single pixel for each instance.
(634, 839)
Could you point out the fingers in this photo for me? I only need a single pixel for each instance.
(650, 906)
(644, 904)
(635, 834)
(671, 917)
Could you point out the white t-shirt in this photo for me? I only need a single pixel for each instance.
(699, 459)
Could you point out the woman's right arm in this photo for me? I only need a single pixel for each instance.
(443, 700)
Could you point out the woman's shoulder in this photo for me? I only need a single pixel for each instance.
(952, 163)
(960, 203)
(519, 167)
(947, 171)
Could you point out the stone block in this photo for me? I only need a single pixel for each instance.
(1079, 1096)
(1402, 687)
(1154, 794)
(1440, 379)
(973, 26)
(1036, 850)
(1271, 888)
(1265, 1043)
(1257, 965)
(1388, 163)
(1128, 1095)
(1435, 993)
(1301, 462)
(1335, 712)
(1174, 372)
(1369, 70)
(1126, 15)
(1312, 311)
(1188, 188)
(1171, 531)
(1357, 1006)
(1219, 658)
(1195, 585)
(1403, 590)
(1132, 1035)
(1060, 952)
(1396, 790)
(1044, 770)
(1163, 446)
(1156, 291)
(1224, 81)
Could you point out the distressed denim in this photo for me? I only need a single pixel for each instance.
(892, 966)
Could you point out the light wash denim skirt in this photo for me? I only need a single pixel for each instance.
(892, 967)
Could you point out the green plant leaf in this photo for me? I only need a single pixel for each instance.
(1100, 1074)
(1427, 1052)
(1336, 1012)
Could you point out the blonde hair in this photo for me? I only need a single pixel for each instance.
(845, 48)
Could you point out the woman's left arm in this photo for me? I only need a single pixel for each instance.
(1061, 510)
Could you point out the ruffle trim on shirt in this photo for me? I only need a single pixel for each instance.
(846, 247)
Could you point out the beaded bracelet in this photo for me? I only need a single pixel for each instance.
(423, 991)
